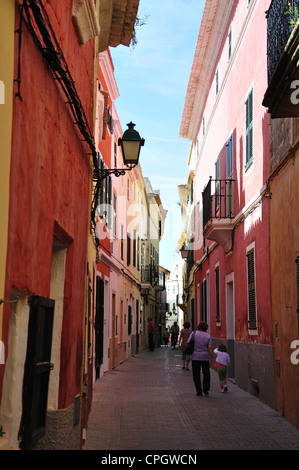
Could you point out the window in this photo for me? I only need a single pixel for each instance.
(217, 185)
(229, 177)
(229, 158)
(122, 241)
(105, 196)
(217, 283)
(198, 221)
(115, 155)
(128, 189)
(128, 249)
(204, 301)
(217, 81)
(252, 320)
(134, 248)
(230, 43)
(249, 129)
(114, 214)
(110, 121)
(138, 253)
(129, 320)
(297, 263)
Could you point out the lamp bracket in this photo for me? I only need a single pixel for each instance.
(114, 171)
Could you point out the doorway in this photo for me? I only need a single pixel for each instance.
(230, 323)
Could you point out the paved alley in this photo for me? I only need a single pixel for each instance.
(149, 403)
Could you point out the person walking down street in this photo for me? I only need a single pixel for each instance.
(175, 331)
(222, 362)
(202, 357)
(184, 336)
(166, 335)
(151, 333)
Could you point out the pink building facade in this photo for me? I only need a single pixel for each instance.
(228, 259)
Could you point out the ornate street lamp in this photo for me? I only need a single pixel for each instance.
(130, 143)
(184, 251)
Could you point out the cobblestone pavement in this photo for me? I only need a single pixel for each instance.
(149, 403)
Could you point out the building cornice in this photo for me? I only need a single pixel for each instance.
(213, 27)
(117, 21)
(107, 69)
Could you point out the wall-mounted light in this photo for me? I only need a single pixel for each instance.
(130, 143)
(184, 251)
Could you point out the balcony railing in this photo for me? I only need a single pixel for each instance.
(282, 17)
(218, 200)
(149, 275)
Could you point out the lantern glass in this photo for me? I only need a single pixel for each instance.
(184, 252)
(131, 143)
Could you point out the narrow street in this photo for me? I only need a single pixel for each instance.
(149, 403)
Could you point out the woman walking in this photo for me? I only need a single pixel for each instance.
(184, 335)
(202, 357)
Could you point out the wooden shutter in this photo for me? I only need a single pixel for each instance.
(129, 319)
(297, 264)
(99, 323)
(203, 301)
(249, 128)
(37, 370)
(128, 249)
(251, 290)
(229, 176)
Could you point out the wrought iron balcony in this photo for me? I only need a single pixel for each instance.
(149, 275)
(218, 211)
(283, 55)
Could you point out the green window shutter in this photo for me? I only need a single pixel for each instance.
(249, 129)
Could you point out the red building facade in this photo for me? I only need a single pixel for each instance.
(228, 269)
(51, 251)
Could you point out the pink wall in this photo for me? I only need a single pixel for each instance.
(246, 69)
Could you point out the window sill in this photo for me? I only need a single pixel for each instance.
(248, 164)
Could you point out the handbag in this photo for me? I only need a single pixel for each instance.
(190, 346)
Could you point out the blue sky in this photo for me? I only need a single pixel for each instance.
(152, 79)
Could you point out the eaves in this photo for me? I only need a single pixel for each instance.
(211, 33)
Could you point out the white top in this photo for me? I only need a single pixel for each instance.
(222, 357)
